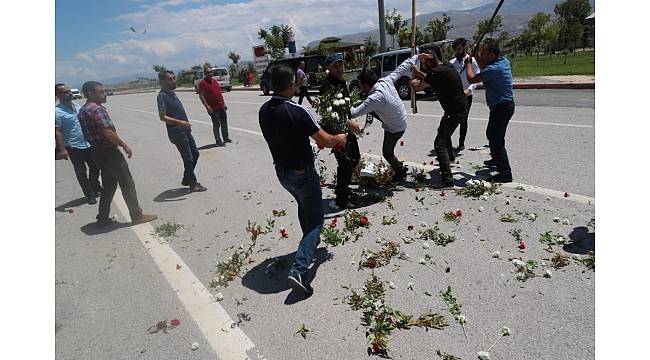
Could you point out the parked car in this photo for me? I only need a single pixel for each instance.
(311, 70)
(219, 73)
(385, 63)
(109, 92)
(76, 94)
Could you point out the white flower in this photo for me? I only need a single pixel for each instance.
(329, 109)
(410, 286)
(565, 222)
(378, 240)
(377, 304)
(505, 331)
(507, 202)
(548, 274)
(532, 216)
(484, 198)
(339, 96)
(481, 209)
(483, 355)
(518, 264)
(391, 285)
(347, 99)
(425, 246)
(496, 254)
(422, 261)
(461, 319)
(218, 297)
(556, 219)
(335, 116)
(194, 346)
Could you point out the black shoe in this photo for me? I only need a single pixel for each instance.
(228, 140)
(298, 283)
(198, 188)
(443, 185)
(185, 182)
(501, 178)
(91, 200)
(220, 143)
(400, 175)
(103, 223)
(460, 148)
(490, 162)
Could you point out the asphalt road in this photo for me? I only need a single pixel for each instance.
(112, 286)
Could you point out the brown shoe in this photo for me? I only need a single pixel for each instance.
(143, 219)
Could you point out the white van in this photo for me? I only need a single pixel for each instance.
(219, 73)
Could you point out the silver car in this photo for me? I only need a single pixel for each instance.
(219, 73)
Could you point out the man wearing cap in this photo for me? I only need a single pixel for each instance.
(349, 157)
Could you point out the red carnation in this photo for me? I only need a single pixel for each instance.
(275, 212)
(372, 263)
(175, 322)
(566, 194)
(417, 189)
(409, 228)
(401, 143)
(363, 221)
(458, 213)
(522, 244)
(431, 162)
(284, 233)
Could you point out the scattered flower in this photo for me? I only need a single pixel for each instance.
(496, 254)
(175, 322)
(425, 246)
(565, 222)
(401, 143)
(409, 227)
(556, 219)
(218, 297)
(423, 262)
(194, 346)
(392, 285)
(481, 209)
(178, 266)
(547, 273)
(302, 331)
(505, 331)
(70, 211)
(566, 194)
(508, 202)
(522, 245)
(284, 233)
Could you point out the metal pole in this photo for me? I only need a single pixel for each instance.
(382, 26)
(414, 105)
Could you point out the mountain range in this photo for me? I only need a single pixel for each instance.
(516, 14)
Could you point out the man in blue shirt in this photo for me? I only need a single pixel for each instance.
(287, 127)
(72, 145)
(179, 130)
(496, 76)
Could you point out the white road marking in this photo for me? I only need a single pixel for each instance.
(213, 321)
(534, 189)
(516, 121)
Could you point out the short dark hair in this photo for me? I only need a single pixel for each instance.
(89, 86)
(163, 74)
(435, 51)
(368, 77)
(492, 46)
(459, 41)
(57, 85)
(282, 76)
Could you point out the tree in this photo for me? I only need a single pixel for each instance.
(535, 25)
(482, 27)
(369, 47)
(572, 17)
(276, 39)
(394, 23)
(158, 68)
(437, 28)
(551, 35)
(404, 36)
(234, 57)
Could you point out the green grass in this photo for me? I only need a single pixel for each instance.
(582, 63)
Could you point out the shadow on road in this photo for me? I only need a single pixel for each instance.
(582, 241)
(270, 276)
(171, 195)
(71, 204)
(208, 146)
(92, 229)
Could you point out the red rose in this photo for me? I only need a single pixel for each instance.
(275, 212)
(458, 213)
(522, 244)
(431, 162)
(566, 194)
(284, 233)
(363, 221)
(401, 143)
(424, 163)
(443, 193)
(70, 211)
(175, 322)
(409, 228)
(417, 189)
(372, 263)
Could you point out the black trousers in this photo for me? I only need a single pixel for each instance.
(442, 143)
(304, 92)
(186, 146)
(115, 171)
(500, 115)
(219, 121)
(88, 177)
(388, 149)
(463, 123)
(347, 160)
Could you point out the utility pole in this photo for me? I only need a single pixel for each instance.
(382, 26)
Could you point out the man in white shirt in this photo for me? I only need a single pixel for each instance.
(459, 64)
(303, 82)
(384, 102)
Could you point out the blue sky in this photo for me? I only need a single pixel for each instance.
(93, 40)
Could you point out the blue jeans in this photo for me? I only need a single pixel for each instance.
(304, 186)
(500, 115)
(219, 120)
(186, 146)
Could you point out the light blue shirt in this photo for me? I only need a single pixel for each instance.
(497, 79)
(67, 121)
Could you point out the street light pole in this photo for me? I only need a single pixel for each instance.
(382, 26)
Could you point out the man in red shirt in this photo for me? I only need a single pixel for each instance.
(210, 95)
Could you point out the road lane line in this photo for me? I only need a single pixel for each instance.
(534, 189)
(212, 319)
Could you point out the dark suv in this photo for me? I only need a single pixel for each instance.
(311, 70)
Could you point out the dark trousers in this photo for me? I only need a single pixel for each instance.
(442, 143)
(304, 186)
(500, 115)
(304, 92)
(388, 149)
(347, 160)
(186, 146)
(88, 178)
(463, 123)
(115, 171)
(219, 121)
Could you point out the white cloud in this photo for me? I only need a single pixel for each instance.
(182, 37)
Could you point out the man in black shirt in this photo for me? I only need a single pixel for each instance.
(287, 127)
(171, 111)
(446, 84)
(349, 157)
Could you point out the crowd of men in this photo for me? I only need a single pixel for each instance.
(86, 135)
